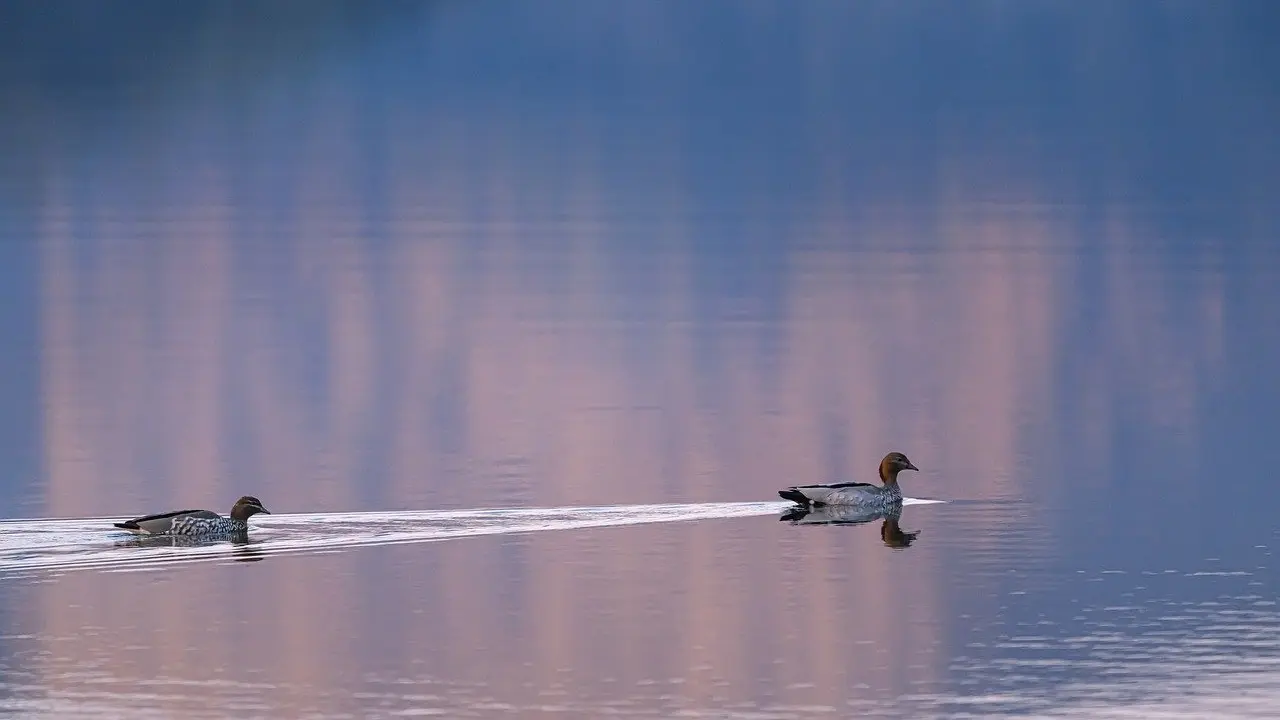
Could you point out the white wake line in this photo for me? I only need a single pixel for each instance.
(83, 523)
(66, 544)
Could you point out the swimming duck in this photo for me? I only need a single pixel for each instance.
(854, 493)
(197, 522)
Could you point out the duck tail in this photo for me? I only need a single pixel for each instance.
(795, 496)
(127, 525)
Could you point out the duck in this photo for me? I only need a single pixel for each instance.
(855, 493)
(197, 522)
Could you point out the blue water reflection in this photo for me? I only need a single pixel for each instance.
(413, 259)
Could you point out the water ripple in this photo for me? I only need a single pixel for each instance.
(33, 546)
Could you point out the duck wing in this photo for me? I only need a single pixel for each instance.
(162, 522)
(809, 494)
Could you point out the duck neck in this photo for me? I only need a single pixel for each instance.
(889, 476)
(240, 514)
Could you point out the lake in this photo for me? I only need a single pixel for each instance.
(516, 316)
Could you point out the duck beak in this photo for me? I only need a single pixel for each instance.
(263, 510)
(911, 467)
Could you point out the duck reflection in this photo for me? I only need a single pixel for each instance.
(891, 534)
(245, 552)
(236, 540)
(242, 546)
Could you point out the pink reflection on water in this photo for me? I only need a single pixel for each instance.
(187, 366)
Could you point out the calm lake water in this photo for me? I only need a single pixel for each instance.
(517, 316)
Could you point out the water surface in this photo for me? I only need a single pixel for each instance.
(518, 315)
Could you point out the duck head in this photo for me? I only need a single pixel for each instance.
(891, 465)
(247, 507)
